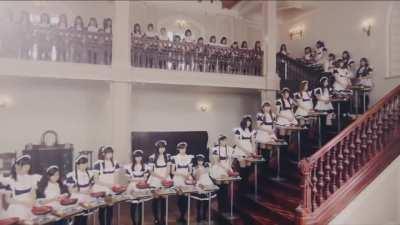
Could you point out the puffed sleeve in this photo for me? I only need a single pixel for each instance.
(297, 96)
(259, 117)
(70, 181)
(97, 166)
(236, 132)
(278, 105)
(317, 91)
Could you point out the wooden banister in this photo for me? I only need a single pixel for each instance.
(343, 167)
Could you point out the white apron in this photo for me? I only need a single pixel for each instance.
(266, 122)
(225, 155)
(324, 95)
(83, 181)
(285, 109)
(204, 177)
(159, 168)
(245, 138)
(107, 174)
(137, 175)
(305, 104)
(183, 165)
(22, 190)
(343, 76)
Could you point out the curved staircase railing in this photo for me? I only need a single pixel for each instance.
(340, 170)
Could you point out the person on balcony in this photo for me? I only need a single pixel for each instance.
(62, 39)
(200, 55)
(244, 58)
(234, 62)
(77, 48)
(150, 33)
(137, 33)
(212, 40)
(42, 49)
(163, 34)
(188, 36)
(24, 36)
(212, 54)
(258, 56)
(91, 43)
(223, 63)
(364, 78)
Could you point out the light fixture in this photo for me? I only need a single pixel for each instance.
(204, 107)
(367, 26)
(297, 32)
(5, 101)
(182, 24)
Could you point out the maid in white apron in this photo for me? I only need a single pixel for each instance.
(245, 140)
(81, 182)
(304, 103)
(222, 158)
(160, 170)
(107, 170)
(51, 190)
(364, 78)
(182, 165)
(265, 124)
(137, 171)
(22, 186)
(4, 190)
(324, 95)
(201, 173)
(342, 77)
(285, 106)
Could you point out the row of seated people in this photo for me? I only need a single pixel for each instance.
(151, 49)
(53, 39)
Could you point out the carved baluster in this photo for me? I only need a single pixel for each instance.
(340, 165)
(359, 157)
(386, 126)
(307, 204)
(327, 173)
(391, 122)
(380, 130)
(321, 183)
(364, 145)
(375, 134)
(314, 186)
(334, 173)
(352, 157)
(370, 146)
(346, 153)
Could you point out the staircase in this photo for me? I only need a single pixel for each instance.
(323, 184)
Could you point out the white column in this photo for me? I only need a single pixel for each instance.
(121, 92)
(121, 119)
(270, 41)
(121, 40)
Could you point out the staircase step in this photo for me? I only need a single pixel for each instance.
(268, 208)
(286, 199)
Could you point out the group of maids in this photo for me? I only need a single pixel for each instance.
(24, 190)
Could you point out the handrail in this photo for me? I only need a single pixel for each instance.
(334, 175)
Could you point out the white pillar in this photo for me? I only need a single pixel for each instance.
(270, 40)
(121, 119)
(121, 62)
(121, 92)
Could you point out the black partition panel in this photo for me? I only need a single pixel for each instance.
(197, 141)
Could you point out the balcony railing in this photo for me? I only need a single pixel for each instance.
(154, 53)
(53, 44)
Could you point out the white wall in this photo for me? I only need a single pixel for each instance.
(172, 108)
(377, 204)
(204, 19)
(339, 25)
(76, 110)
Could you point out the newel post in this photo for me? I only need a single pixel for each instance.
(304, 210)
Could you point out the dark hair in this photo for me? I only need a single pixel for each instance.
(283, 101)
(102, 152)
(262, 108)
(92, 20)
(243, 123)
(302, 85)
(196, 162)
(320, 44)
(188, 31)
(283, 47)
(136, 26)
(157, 153)
(365, 60)
(105, 24)
(223, 39)
(321, 84)
(244, 44)
(308, 48)
(150, 25)
(347, 55)
(82, 161)
(213, 38)
(332, 55)
(200, 39)
(22, 162)
(235, 43)
(78, 18)
(134, 162)
(44, 181)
